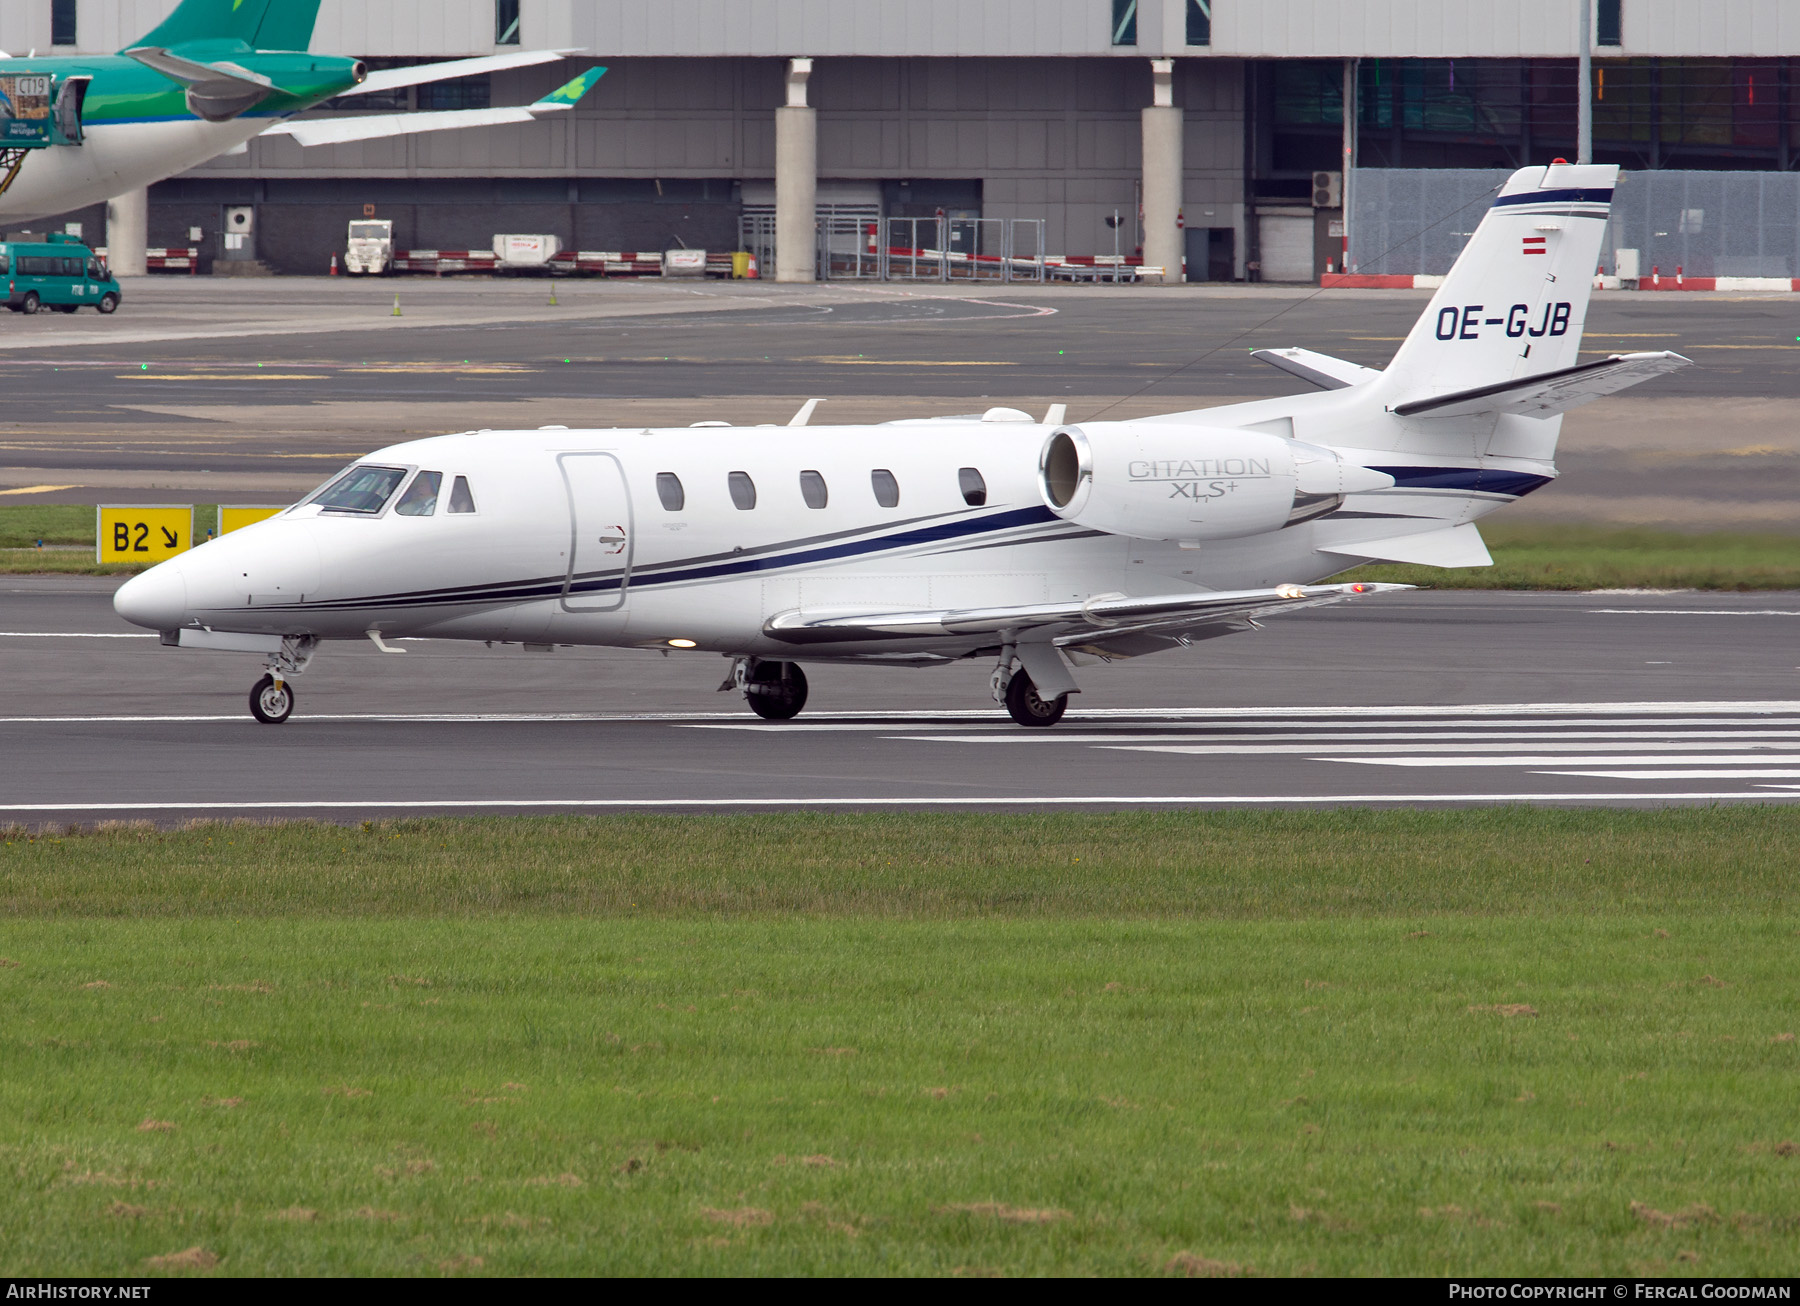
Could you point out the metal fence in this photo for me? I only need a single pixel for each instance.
(1710, 224)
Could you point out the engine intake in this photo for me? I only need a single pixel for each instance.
(1159, 481)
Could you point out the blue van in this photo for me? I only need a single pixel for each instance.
(59, 273)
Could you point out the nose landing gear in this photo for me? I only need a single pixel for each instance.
(776, 691)
(271, 701)
(272, 697)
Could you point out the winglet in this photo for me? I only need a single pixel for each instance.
(804, 416)
(569, 94)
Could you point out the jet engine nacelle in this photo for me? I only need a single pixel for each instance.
(1160, 481)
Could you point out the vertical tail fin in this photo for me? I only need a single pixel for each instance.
(1515, 302)
(259, 24)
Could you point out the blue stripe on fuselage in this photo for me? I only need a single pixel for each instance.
(1487, 480)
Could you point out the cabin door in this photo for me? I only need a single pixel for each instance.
(600, 532)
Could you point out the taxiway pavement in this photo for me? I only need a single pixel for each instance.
(1424, 699)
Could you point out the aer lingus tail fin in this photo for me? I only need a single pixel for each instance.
(259, 24)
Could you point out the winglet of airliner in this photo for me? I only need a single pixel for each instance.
(337, 131)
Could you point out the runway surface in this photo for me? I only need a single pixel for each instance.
(1415, 699)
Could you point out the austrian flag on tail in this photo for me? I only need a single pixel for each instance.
(1535, 245)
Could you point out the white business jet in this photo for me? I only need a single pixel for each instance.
(1042, 547)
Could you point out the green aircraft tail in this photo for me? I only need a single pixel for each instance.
(259, 24)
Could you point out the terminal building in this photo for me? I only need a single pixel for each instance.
(1207, 135)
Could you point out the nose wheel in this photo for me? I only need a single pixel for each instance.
(272, 701)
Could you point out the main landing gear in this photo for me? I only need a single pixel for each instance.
(1015, 690)
(776, 691)
(272, 697)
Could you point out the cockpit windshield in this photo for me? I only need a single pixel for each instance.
(361, 489)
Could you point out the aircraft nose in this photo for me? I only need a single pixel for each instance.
(157, 599)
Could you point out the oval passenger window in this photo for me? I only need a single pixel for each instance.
(974, 489)
(668, 489)
(887, 489)
(743, 490)
(812, 489)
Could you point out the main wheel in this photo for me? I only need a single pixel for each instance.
(776, 690)
(1025, 707)
(271, 704)
(108, 302)
(29, 304)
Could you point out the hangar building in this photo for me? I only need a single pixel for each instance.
(1213, 129)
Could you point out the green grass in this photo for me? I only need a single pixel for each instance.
(23, 525)
(1538, 557)
(1299, 1043)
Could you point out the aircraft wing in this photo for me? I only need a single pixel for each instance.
(1322, 370)
(1549, 393)
(1099, 618)
(388, 79)
(373, 126)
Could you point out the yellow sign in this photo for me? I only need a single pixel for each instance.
(236, 516)
(147, 533)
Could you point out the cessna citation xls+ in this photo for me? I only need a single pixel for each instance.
(1042, 547)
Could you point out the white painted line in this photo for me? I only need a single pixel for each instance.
(1691, 612)
(70, 634)
(1551, 759)
(1734, 774)
(1427, 754)
(1545, 734)
(955, 800)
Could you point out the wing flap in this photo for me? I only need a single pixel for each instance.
(1549, 393)
(1322, 370)
(1111, 614)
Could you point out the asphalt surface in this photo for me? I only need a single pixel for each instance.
(202, 390)
(1423, 699)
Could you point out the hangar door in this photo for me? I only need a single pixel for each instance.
(1287, 247)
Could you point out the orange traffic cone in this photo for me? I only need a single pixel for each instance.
(334, 265)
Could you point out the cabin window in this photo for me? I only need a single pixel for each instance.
(420, 499)
(812, 489)
(96, 270)
(974, 489)
(887, 489)
(460, 498)
(674, 498)
(743, 490)
(361, 489)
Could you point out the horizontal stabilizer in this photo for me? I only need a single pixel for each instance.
(1108, 614)
(1322, 370)
(217, 92)
(1455, 546)
(1548, 393)
(375, 126)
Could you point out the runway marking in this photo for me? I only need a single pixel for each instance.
(73, 634)
(39, 489)
(954, 800)
(1734, 774)
(1318, 739)
(1551, 759)
(1692, 612)
(1428, 755)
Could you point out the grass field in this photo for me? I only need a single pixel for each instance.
(1542, 557)
(1525, 556)
(1493, 1042)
